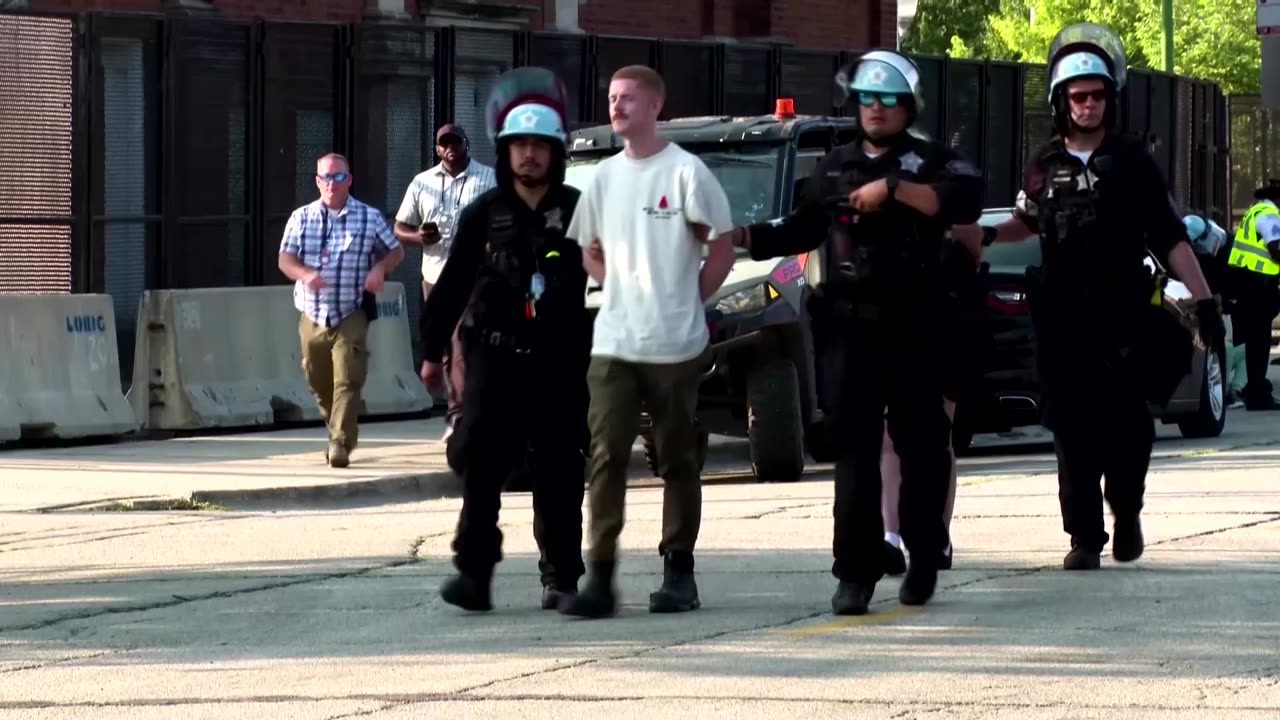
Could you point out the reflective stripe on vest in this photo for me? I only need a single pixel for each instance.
(1248, 251)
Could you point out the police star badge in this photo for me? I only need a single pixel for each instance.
(553, 219)
(911, 162)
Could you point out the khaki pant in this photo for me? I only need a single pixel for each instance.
(455, 368)
(670, 393)
(336, 363)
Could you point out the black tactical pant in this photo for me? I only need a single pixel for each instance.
(1114, 440)
(523, 411)
(866, 368)
(1258, 302)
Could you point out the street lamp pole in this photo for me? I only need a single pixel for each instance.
(1166, 20)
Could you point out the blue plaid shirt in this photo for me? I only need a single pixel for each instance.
(343, 247)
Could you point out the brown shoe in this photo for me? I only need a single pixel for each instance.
(337, 456)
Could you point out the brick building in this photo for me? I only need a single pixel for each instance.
(835, 24)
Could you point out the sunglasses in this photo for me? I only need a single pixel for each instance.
(334, 177)
(867, 99)
(1080, 96)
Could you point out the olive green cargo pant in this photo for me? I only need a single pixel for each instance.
(670, 393)
(335, 362)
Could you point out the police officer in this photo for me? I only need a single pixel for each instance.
(1098, 202)
(526, 338)
(881, 207)
(1254, 270)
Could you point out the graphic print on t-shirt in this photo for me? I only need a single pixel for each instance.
(663, 211)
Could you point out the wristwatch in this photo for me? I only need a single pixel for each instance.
(988, 235)
(891, 182)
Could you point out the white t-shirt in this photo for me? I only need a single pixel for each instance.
(439, 197)
(640, 210)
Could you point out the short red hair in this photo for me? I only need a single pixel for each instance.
(643, 75)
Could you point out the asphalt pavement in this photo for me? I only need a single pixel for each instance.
(332, 612)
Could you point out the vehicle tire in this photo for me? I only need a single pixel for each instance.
(1211, 417)
(775, 427)
(819, 444)
(651, 453)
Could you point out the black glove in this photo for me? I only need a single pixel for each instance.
(1212, 332)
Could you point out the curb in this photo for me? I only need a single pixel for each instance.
(428, 485)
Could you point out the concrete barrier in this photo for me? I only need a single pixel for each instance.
(230, 357)
(60, 368)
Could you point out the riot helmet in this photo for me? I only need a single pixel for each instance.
(1085, 50)
(524, 85)
(1206, 236)
(884, 72)
(528, 102)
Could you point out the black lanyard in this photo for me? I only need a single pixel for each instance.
(457, 198)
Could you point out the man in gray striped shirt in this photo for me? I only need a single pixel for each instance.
(432, 203)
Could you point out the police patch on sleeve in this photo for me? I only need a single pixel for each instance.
(963, 167)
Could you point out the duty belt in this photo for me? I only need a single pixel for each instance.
(507, 341)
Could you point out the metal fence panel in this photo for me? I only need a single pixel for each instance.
(479, 58)
(933, 81)
(808, 77)
(966, 92)
(300, 123)
(689, 69)
(1002, 164)
(124, 167)
(746, 81)
(394, 136)
(566, 56)
(1255, 149)
(1160, 121)
(613, 54)
(1037, 115)
(36, 154)
(206, 237)
(1181, 179)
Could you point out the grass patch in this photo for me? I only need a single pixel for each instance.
(166, 505)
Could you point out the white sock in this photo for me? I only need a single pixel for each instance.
(893, 539)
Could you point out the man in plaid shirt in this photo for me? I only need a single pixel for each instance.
(336, 249)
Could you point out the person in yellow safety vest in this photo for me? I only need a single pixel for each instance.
(1254, 267)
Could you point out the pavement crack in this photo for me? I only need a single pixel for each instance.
(59, 661)
(781, 510)
(176, 600)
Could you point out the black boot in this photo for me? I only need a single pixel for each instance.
(895, 562)
(679, 592)
(1127, 545)
(919, 584)
(597, 599)
(1082, 558)
(468, 593)
(852, 598)
(553, 598)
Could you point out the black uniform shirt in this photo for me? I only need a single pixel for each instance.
(895, 225)
(1134, 213)
(470, 251)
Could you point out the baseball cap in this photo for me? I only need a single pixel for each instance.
(450, 129)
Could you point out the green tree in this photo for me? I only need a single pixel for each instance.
(949, 27)
(1213, 39)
